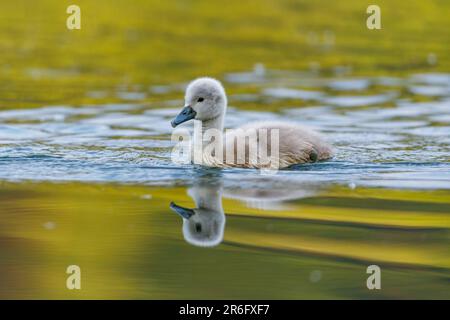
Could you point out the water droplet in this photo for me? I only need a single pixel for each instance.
(49, 225)
(315, 276)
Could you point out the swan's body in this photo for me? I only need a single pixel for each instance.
(206, 101)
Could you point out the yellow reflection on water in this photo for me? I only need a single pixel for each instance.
(129, 244)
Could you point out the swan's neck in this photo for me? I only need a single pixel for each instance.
(208, 129)
(211, 127)
(216, 123)
(208, 198)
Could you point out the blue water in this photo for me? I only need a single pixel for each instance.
(387, 132)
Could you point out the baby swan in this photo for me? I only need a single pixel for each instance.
(206, 101)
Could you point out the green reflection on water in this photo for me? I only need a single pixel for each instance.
(129, 245)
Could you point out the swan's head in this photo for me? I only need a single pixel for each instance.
(205, 100)
(201, 227)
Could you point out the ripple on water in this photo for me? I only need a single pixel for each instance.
(356, 101)
(403, 145)
(432, 91)
(349, 84)
(285, 93)
(432, 78)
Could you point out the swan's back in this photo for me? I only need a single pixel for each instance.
(297, 144)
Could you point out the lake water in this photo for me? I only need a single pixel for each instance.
(91, 185)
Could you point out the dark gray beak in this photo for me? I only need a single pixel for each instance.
(186, 114)
(184, 212)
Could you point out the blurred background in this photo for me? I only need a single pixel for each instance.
(85, 170)
(123, 43)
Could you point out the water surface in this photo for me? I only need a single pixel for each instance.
(91, 185)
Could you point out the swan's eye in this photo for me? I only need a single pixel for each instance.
(200, 99)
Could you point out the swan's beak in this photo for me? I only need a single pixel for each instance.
(184, 212)
(186, 114)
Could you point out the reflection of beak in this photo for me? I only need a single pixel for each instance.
(186, 213)
(186, 114)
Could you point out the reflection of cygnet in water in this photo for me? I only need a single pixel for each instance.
(268, 199)
(204, 225)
